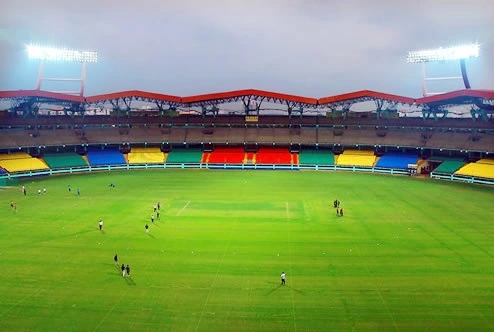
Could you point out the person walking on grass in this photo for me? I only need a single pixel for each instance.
(115, 259)
(123, 270)
(283, 278)
(127, 270)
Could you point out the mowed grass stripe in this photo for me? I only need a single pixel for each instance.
(408, 254)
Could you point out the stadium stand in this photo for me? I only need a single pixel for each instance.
(97, 157)
(304, 135)
(104, 135)
(174, 134)
(227, 155)
(449, 166)
(145, 156)
(221, 135)
(270, 155)
(184, 156)
(143, 134)
(21, 162)
(483, 168)
(64, 159)
(15, 155)
(363, 158)
(282, 136)
(197, 135)
(326, 135)
(397, 160)
(402, 138)
(260, 135)
(316, 157)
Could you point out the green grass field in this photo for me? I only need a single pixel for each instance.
(409, 254)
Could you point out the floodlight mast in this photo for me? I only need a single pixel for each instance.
(53, 54)
(461, 53)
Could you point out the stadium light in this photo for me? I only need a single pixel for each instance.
(444, 54)
(60, 54)
(54, 54)
(461, 52)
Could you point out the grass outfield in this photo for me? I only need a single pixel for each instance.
(408, 255)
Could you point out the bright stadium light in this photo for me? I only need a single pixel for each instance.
(60, 54)
(54, 54)
(444, 54)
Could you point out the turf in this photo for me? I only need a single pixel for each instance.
(409, 254)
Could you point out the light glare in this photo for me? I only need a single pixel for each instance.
(60, 54)
(444, 54)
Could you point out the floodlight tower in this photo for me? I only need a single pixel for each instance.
(461, 53)
(53, 54)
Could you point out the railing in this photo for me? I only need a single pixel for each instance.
(314, 167)
(76, 170)
(462, 178)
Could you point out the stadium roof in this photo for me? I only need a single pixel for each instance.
(134, 95)
(459, 97)
(363, 95)
(259, 95)
(40, 96)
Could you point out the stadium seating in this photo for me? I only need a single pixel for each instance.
(143, 134)
(362, 158)
(282, 136)
(104, 135)
(449, 166)
(145, 156)
(316, 157)
(227, 155)
(272, 155)
(397, 160)
(304, 135)
(184, 156)
(197, 135)
(21, 162)
(97, 157)
(483, 168)
(64, 159)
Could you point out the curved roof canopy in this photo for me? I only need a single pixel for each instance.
(459, 97)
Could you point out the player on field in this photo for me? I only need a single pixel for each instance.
(283, 277)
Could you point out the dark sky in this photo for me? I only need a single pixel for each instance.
(312, 48)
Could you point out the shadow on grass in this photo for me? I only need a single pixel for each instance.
(298, 291)
(274, 289)
(130, 281)
(151, 235)
(287, 286)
